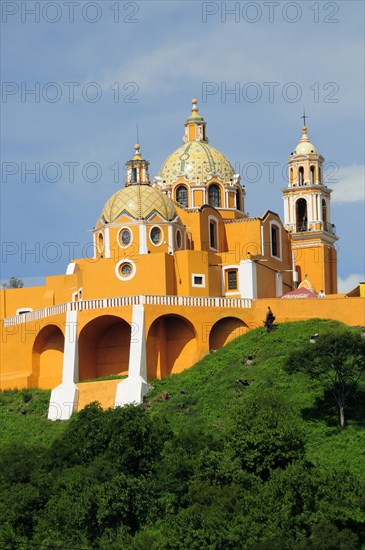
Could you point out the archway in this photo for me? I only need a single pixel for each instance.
(225, 330)
(171, 346)
(104, 347)
(47, 358)
(302, 215)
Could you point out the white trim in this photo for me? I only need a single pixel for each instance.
(262, 240)
(119, 241)
(161, 241)
(170, 232)
(196, 285)
(107, 243)
(143, 239)
(278, 228)
(125, 261)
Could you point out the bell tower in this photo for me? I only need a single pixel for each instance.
(307, 217)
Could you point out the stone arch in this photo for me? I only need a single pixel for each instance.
(47, 358)
(301, 215)
(225, 330)
(171, 346)
(104, 345)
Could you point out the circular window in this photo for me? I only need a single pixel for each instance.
(124, 237)
(178, 239)
(125, 270)
(156, 235)
(100, 242)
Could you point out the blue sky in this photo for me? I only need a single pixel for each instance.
(99, 68)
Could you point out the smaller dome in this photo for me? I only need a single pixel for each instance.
(140, 202)
(305, 147)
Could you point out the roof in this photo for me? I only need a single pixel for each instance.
(300, 293)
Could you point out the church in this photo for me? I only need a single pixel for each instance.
(179, 269)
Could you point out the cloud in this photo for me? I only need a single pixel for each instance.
(350, 186)
(345, 284)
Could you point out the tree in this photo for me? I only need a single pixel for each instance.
(13, 283)
(337, 361)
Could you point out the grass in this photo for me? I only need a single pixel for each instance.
(209, 392)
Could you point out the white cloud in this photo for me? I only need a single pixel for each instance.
(351, 184)
(349, 283)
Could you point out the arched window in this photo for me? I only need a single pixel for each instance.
(312, 174)
(324, 214)
(182, 195)
(214, 196)
(301, 175)
(238, 200)
(274, 241)
(213, 234)
(302, 216)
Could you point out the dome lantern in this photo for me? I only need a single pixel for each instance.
(195, 125)
(137, 169)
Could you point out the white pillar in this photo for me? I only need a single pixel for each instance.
(279, 284)
(107, 243)
(134, 387)
(320, 214)
(247, 279)
(143, 239)
(65, 397)
(170, 230)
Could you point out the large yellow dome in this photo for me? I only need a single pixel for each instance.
(195, 160)
(140, 202)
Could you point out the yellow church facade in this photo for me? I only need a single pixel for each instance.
(179, 269)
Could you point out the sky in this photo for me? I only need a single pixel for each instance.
(79, 76)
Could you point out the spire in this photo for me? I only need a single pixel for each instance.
(137, 169)
(195, 125)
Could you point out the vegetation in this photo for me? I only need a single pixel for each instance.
(338, 361)
(223, 455)
(13, 283)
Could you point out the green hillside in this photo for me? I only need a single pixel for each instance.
(223, 455)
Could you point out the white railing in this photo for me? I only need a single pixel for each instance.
(123, 301)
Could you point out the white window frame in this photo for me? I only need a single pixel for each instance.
(279, 247)
(162, 235)
(119, 240)
(196, 285)
(23, 310)
(119, 264)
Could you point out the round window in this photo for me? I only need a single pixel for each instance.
(125, 237)
(126, 270)
(178, 239)
(156, 235)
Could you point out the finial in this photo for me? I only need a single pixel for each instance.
(137, 154)
(194, 107)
